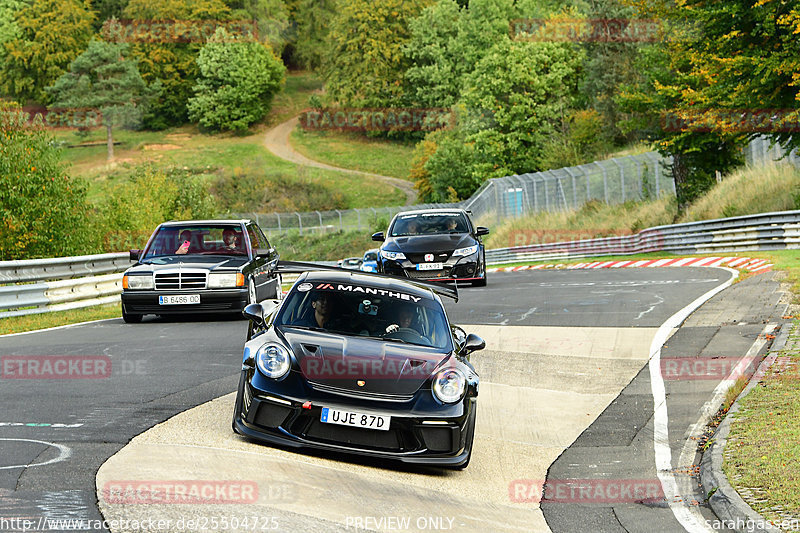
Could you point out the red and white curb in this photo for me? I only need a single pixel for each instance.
(739, 263)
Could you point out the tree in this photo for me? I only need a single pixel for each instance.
(43, 211)
(104, 80)
(522, 89)
(366, 58)
(238, 79)
(666, 97)
(312, 20)
(9, 30)
(271, 17)
(173, 62)
(51, 34)
(447, 42)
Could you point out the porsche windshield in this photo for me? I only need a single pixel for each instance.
(366, 311)
(429, 224)
(193, 240)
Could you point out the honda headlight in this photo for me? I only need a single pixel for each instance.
(394, 256)
(449, 385)
(134, 282)
(273, 360)
(462, 252)
(227, 280)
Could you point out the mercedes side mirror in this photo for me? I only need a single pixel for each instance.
(378, 237)
(480, 231)
(135, 254)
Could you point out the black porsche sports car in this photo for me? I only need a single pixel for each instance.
(433, 244)
(200, 266)
(360, 363)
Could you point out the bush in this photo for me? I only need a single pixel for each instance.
(44, 211)
(131, 210)
(237, 82)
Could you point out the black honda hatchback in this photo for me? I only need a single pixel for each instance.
(434, 244)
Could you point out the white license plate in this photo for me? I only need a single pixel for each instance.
(429, 266)
(358, 420)
(182, 299)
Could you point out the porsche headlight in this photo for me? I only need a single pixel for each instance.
(449, 385)
(135, 282)
(227, 280)
(394, 256)
(273, 360)
(463, 252)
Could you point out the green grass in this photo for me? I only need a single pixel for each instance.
(59, 318)
(234, 158)
(351, 150)
(327, 247)
(294, 97)
(748, 191)
(228, 162)
(763, 449)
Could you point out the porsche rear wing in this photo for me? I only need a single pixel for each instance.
(297, 267)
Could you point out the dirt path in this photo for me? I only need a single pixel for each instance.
(277, 142)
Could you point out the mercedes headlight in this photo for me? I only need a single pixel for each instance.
(227, 280)
(449, 385)
(394, 256)
(273, 360)
(462, 252)
(138, 282)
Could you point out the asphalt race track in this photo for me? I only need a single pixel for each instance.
(565, 395)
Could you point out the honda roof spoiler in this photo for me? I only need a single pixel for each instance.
(296, 267)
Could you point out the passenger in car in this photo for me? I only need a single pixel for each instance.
(186, 241)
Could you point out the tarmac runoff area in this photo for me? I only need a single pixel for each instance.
(541, 387)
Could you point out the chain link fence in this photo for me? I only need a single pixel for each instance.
(612, 181)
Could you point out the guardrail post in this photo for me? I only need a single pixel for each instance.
(621, 178)
(605, 181)
(574, 188)
(641, 177)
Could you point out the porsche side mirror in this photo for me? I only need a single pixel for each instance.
(378, 237)
(135, 254)
(254, 313)
(480, 231)
(473, 344)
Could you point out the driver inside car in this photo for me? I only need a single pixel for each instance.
(404, 319)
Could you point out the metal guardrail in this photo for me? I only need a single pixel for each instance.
(62, 267)
(766, 231)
